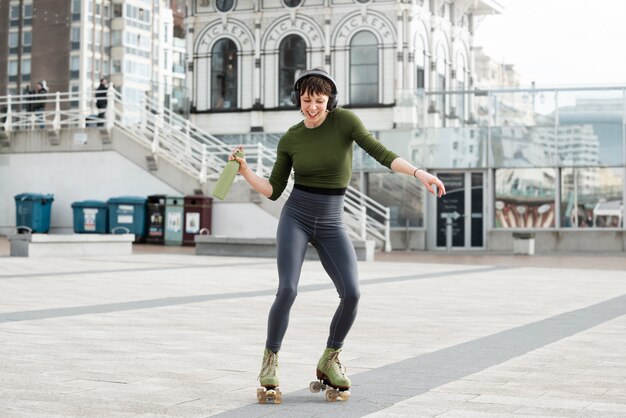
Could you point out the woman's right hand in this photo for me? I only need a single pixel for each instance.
(243, 165)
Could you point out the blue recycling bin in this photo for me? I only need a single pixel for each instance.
(128, 214)
(91, 217)
(32, 212)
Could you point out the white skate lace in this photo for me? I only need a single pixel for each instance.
(333, 359)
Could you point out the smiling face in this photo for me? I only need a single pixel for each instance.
(313, 107)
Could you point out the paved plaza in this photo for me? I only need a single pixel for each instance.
(165, 333)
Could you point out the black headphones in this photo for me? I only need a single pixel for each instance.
(295, 93)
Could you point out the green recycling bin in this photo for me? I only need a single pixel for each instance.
(32, 212)
(174, 214)
(91, 217)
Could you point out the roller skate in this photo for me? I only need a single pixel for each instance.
(268, 378)
(331, 377)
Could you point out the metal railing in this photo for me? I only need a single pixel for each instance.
(176, 140)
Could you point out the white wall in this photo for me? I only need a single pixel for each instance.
(242, 220)
(71, 177)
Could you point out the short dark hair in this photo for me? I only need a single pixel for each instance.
(316, 85)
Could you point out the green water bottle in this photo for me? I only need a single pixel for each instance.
(227, 177)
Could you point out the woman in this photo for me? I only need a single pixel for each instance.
(319, 150)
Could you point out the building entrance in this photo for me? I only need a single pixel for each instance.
(464, 205)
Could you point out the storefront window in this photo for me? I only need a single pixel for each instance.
(385, 187)
(525, 198)
(592, 197)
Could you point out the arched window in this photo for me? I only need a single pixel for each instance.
(364, 69)
(224, 75)
(420, 64)
(441, 80)
(460, 86)
(292, 61)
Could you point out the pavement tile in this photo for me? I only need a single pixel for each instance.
(176, 335)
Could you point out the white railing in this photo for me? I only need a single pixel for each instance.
(175, 139)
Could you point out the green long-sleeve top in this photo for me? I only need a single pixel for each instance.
(322, 157)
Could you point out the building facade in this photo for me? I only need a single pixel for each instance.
(73, 44)
(542, 161)
(245, 55)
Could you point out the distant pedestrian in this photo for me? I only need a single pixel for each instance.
(39, 104)
(102, 100)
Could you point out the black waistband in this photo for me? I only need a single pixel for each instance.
(320, 190)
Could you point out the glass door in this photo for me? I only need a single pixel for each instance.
(460, 212)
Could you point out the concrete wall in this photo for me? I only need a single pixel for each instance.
(408, 239)
(592, 241)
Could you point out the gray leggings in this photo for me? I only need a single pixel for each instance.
(316, 218)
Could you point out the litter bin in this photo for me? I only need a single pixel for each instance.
(197, 217)
(128, 213)
(32, 212)
(91, 217)
(174, 210)
(156, 219)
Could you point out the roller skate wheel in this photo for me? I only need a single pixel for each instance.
(315, 386)
(261, 395)
(331, 395)
(278, 397)
(344, 395)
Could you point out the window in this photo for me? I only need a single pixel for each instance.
(441, 81)
(75, 38)
(76, 6)
(420, 58)
(12, 69)
(292, 3)
(408, 211)
(15, 12)
(13, 39)
(74, 63)
(25, 66)
(224, 75)
(292, 59)
(27, 38)
(224, 5)
(74, 89)
(117, 10)
(460, 86)
(364, 69)
(525, 197)
(591, 197)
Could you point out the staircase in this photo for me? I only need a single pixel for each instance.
(172, 146)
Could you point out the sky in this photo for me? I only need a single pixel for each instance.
(559, 42)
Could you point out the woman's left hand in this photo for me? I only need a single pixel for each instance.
(429, 181)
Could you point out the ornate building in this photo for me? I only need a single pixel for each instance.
(244, 56)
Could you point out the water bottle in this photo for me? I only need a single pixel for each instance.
(227, 177)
